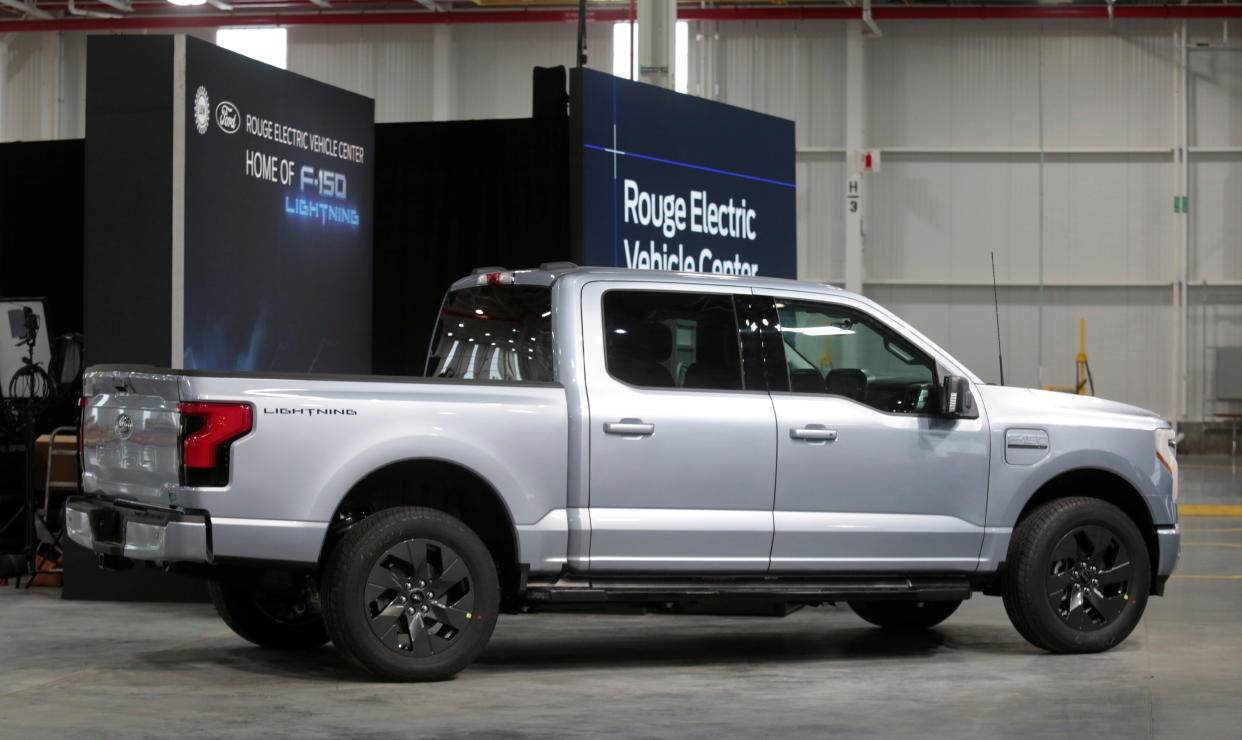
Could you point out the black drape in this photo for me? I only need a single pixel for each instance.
(41, 228)
(453, 196)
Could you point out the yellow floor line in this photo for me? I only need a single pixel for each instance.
(1212, 529)
(1188, 575)
(1209, 510)
(1215, 544)
(1209, 467)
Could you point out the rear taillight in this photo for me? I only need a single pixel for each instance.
(82, 403)
(208, 431)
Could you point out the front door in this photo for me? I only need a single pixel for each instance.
(682, 454)
(870, 477)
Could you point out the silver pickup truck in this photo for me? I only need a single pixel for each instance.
(597, 439)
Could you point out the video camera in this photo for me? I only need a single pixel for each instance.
(24, 325)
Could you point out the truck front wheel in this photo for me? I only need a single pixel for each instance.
(268, 620)
(1077, 576)
(411, 594)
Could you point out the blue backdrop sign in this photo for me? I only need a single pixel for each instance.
(667, 181)
(278, 209)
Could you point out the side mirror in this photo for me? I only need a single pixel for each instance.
(955, 398)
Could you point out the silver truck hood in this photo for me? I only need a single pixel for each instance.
(1031, 403)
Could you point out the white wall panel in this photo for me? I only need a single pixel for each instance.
(493, 62)
(1215, 89)
(30, 86)
(1216, 216)
(937, 217)
(952, 85)
(1108, 217)
(1108, 86)
(391, 64)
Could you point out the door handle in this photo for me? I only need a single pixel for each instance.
(629, 427)
(815, 433)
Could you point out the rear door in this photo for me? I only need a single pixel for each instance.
(682, 452)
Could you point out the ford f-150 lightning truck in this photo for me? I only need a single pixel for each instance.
(616, 440)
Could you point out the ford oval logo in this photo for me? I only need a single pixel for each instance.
(228, 118)
(124, 426)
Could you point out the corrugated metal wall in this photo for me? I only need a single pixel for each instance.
(959, 109)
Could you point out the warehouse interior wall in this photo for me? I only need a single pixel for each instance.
(1070, 178)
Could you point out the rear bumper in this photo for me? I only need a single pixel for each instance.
(138, 532)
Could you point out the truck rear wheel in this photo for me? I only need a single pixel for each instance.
(905, 615)
(411, 594)
(268, 620)
(1077, 576)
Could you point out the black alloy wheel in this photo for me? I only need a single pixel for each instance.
(420, 597)
(410, 594)
(1077, 576)
(1089, 577)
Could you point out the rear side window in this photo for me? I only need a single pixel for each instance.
(660, 339)
(495, 332)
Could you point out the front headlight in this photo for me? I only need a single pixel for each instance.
(1166, 453)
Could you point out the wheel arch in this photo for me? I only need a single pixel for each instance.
(444, 485)
(1107, 486)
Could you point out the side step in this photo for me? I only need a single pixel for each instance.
(638, 589)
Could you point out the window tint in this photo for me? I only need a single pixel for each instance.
(835, 350)
(672, 340)
(495, 332)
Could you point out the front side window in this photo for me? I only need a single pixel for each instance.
(658, 339)
(839, 351)
(495, 332)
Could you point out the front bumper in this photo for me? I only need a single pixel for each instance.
(138, 532)
(1169, 542)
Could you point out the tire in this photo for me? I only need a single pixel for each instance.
(1077, 576)
(404, 620)
(905, 615)
(267, 621)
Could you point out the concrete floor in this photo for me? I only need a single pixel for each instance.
(152, 670)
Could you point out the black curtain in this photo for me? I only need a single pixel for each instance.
(40, 257)
(453, 196)
(41, 189)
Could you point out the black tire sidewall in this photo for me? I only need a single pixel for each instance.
(237, 607)
(901, 614)
(1027, 582)
(343, 588)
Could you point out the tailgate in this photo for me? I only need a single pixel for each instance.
(130, 430)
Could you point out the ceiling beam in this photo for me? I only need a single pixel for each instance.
(786, 13)
(27, 8)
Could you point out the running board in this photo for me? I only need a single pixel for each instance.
(585, 589)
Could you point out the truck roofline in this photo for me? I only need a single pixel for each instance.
(548, 274)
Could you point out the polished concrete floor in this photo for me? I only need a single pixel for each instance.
(78, 669)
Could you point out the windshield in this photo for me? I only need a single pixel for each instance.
(494, 332)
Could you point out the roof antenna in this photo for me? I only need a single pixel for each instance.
(1000, 355)
(582, 44)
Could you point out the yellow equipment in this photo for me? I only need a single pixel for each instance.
(1084, 384)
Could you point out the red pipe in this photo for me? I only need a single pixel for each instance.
(175, 20)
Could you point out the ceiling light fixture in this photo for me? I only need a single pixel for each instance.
(188, 2)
